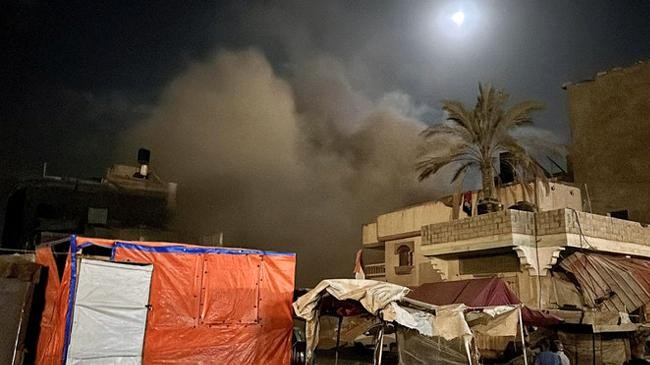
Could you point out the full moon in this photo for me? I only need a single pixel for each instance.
(458, 18)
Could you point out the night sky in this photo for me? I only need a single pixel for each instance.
(78, 77)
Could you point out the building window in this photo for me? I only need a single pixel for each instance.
(405, 256)
(404, 252)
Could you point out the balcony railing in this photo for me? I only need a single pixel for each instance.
(375, 270)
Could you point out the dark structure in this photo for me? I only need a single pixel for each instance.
(610, 129)
(129, 202)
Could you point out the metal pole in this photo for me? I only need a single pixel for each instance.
(379, 345)
(420, 304)
(523, 340)
(469, 353)
(338, 340)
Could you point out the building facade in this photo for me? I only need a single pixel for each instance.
(610, 128)
(592, 271)
(423, 262)
(124, 203)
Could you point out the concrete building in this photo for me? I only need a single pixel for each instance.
(610, 127)
(411, 258)
(590, 270)
(129, 202)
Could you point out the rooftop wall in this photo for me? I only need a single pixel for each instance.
(486, 225)
(408, 222)
(560, 221)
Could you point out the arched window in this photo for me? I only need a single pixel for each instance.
(405, 256)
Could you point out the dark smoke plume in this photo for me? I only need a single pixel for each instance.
(296, 163)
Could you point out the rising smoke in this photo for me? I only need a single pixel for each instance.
(293, 163)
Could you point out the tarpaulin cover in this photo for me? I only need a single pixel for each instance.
(374, 296)
(380, 299)
(52, 332)
(110, 303)
(415, 349)
(209, 305)
(497, 321)
(485, 292)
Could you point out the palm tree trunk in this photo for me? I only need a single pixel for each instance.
(487, 175)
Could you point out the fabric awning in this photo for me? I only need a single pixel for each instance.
(485, 292)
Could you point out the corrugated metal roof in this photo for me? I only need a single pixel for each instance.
(610, 283)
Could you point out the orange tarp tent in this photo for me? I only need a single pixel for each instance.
(209, 305)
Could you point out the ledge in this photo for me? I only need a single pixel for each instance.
(403, 270)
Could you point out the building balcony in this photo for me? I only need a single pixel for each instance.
(529, 234)
(408, 222)
(374, 271)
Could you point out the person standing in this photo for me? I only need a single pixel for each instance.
(546, 356)
(559, 350)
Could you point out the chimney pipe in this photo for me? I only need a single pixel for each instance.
(144, 156)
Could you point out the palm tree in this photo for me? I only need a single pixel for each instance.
(474, 139)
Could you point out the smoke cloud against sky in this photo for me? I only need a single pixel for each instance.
(287, 124)
(287, 165)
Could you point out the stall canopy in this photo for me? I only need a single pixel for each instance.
(479, 293)
(383, 300)
(205, 304)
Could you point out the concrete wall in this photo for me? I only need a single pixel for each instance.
(558, 195)
(408, 221)
(369, 234)
(610, 127)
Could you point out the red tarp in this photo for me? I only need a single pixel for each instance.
(485, 292)
(210, 305)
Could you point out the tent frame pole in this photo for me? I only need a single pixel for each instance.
(338, 340)
(523, 337)
(469, 352)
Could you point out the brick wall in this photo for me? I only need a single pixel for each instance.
(492, 224)
(550, 222)
(600, 226)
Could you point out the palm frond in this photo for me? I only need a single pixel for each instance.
(489, 107)
(526, 165)
(431, 165)
(443, 130)
(482, 133)
(461, 170)
(519, 114)
(457, 113)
